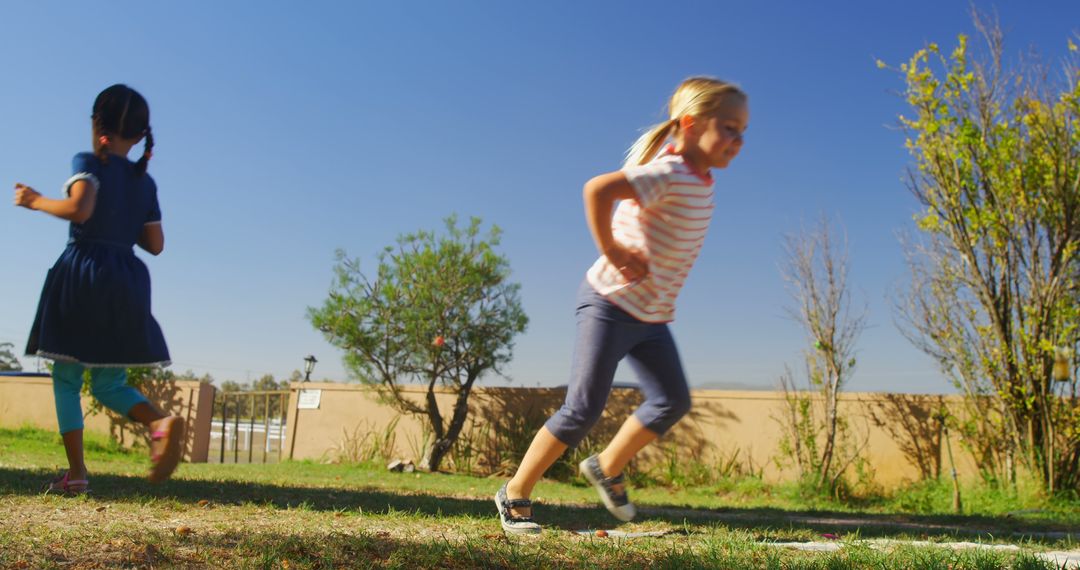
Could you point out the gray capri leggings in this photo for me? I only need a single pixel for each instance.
(605, 335)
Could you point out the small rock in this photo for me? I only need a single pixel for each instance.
(601, 533)
(101, 509)
(204, 503)
(396, 465)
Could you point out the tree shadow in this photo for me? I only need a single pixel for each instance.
(505, 420)
(913, 423)
(770, 523)
(689, 438)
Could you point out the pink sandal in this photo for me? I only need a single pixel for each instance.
(63, 485)
(170, 435)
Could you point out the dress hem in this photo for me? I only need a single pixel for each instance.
(72, 360)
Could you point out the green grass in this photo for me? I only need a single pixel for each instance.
(310, 515)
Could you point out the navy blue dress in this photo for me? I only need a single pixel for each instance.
(95, 305)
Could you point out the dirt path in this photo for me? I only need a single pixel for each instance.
(858, 521)
(1065, 560)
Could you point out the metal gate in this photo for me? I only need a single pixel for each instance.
(248, 427)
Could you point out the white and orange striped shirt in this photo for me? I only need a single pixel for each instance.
(667, 222)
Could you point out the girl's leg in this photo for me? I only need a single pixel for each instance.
(67, 385)
(543, 452)
(632, 437)
(110, 387)
(147, 414)
(667, 399)
(604, 335)
(73, 448)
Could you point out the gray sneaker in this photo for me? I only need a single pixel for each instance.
(510, 523)
(618, 504)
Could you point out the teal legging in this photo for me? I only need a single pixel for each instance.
(108, 385)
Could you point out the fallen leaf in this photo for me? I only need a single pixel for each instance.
(101, 509)
(184, 530)
(830, 536)
(601, 533)
(204, 503)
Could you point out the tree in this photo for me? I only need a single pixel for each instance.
(236, 404)
(439, 311)
(994, 292)
(267, 383)
(8, 362)
(233, 386)
(817, 437)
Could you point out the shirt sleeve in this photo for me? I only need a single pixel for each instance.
(153, 214)
(650, 181)
(84, 166)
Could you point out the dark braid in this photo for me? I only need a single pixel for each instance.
(100, 150)
(144, 161)
(121, 111)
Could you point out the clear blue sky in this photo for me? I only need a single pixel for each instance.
(286, 130)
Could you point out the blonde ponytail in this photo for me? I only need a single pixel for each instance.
(648, 145)
(695, 96)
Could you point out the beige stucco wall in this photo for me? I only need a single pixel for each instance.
(28, 400)
(350, 419)
(721, 424)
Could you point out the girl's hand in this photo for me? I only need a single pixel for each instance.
(25, 196)
(632, 264)
(600, 195)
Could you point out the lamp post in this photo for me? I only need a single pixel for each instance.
(309, 365)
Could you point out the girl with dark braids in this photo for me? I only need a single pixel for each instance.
(94, 311)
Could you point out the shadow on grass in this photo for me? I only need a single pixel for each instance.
(766, 523)
(363, 550)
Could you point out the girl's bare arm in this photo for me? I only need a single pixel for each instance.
(77, 207)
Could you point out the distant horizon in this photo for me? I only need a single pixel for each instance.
(714, 385)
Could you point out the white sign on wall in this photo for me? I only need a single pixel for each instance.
(309, 399)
